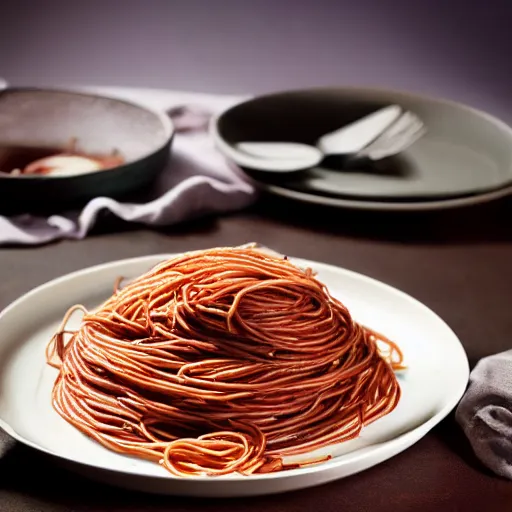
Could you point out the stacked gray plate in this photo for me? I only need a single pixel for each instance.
(464, 158)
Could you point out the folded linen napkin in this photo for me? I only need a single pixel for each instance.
(197, 180)
(485, 412)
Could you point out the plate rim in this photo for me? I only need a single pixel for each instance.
(405, 439)
(391, 206)
(367, 204)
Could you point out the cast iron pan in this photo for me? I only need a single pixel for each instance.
(34, 120)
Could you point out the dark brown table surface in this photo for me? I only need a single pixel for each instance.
(458, 263)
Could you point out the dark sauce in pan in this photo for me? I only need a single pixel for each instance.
(19, 157)
(31, 160)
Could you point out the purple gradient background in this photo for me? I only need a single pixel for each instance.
(449, 48)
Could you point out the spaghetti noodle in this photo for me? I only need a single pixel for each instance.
(220, 361)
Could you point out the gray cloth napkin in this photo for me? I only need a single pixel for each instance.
(197, 181)
(485, 412)
(6, 443)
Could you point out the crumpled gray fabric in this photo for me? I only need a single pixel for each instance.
(197, 181)
(485, 412)
(6, 443)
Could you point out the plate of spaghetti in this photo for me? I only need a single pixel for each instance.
(223, 372)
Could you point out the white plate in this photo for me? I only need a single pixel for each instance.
(433, 384)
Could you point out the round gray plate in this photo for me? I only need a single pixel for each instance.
(465, 156)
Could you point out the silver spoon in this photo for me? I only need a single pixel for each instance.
(378, 135)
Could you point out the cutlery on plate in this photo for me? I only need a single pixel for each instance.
(381, 134)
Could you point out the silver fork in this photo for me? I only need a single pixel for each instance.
(379, 135)
(404, 132)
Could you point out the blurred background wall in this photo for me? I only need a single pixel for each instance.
(451, 48)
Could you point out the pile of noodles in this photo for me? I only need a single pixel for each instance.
(219, 361)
